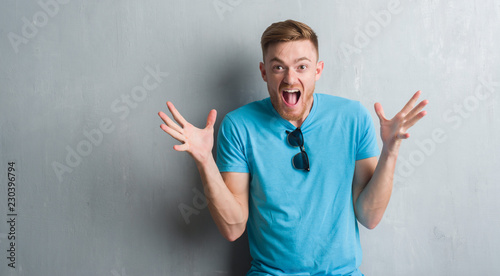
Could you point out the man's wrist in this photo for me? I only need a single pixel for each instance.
(203, 160)
(391, 151)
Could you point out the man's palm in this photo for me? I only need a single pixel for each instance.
(197, 142)
(393, 130)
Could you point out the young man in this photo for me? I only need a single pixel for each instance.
(297, 169)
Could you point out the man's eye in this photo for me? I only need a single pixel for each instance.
(278, 67)
(302, 67)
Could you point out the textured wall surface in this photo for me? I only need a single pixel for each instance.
(95, 187)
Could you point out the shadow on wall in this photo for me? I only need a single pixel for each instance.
(232, 85)
(158, 229)
(240, 262)
(236, 85)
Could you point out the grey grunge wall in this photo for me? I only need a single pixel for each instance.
(90, 185)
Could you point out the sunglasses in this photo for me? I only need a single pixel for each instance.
(300, 161)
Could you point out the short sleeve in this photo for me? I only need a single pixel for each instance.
(367, 141)
(230, 148)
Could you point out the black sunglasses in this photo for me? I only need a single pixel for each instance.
(300, 161)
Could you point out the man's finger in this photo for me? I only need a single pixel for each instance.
(414, 119)
(404, 135)
(409, 105)
(380, 111)
(169, 122)
(177, 116)
(212, 117)
(417, 109)
(176, 135)
(183, 147)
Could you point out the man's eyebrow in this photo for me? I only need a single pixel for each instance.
(296, 61)
(276, 59)
(301, 59)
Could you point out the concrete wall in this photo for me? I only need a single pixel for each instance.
(98, 189)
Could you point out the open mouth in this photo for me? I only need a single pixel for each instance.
(291, 96)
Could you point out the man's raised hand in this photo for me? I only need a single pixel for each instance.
(394, 130)
(197, 142)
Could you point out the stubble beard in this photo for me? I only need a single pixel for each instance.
(276, 101)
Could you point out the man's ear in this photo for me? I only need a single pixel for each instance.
(319, 69)
(262, 68)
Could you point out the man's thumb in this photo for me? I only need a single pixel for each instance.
(212, 117)
(380, 111)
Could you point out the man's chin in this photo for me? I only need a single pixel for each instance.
(290, 116)
(288, 113)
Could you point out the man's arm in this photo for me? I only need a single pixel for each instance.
(372, 188)
(372, 182)
(227, 193)
(230, 211)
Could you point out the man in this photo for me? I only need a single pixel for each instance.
(297, 169)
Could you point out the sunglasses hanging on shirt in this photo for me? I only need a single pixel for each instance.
(300, 161)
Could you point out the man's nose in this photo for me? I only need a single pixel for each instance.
(290, 77)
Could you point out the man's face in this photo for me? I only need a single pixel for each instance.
(291, 70)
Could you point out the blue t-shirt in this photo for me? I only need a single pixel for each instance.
(300, 223)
